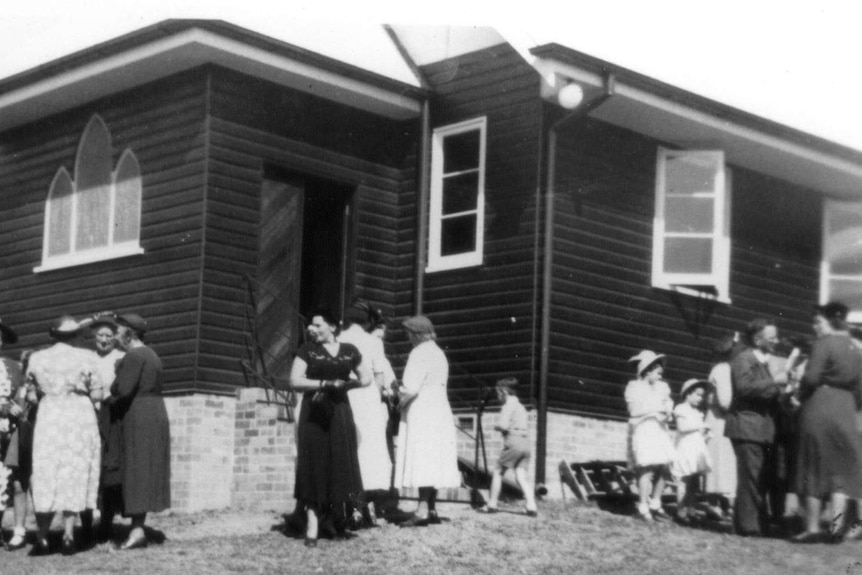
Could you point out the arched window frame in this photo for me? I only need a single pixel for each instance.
(112, 249)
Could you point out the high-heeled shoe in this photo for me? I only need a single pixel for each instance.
(69, 546)
(134, 543)
(39, 548)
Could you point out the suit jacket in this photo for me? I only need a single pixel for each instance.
(752, 412)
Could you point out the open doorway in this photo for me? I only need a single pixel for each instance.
(304, 258)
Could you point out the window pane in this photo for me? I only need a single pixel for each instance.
(60, 209)
(690, 174)
(458, 235)
(461, 152)
(688, 214)
(127, 206)
(688, 255)
(844, 244)
(848, 292)
(93, 183)
(460, 193)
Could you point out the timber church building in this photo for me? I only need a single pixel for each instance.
(552, 213)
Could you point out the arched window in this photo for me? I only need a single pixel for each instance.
(96, 216)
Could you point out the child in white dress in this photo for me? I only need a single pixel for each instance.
(692, 457)
(650, 405)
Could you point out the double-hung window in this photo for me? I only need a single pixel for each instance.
(691, 239)
(841, 268)
(457, 210)
(97, 215)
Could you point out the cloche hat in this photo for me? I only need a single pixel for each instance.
(133, 321)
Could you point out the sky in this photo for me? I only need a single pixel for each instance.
(793, 62)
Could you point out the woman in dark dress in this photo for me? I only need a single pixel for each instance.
(829, 462)
(327, 465)
(138, 414)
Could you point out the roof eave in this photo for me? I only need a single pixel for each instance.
(178, 45)
(675, 116)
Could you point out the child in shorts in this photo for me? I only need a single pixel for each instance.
(516, 447)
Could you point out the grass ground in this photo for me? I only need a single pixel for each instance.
(566, 538)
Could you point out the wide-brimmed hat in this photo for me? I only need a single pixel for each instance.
(692, 384)
(419, 325)
(133, 321)
(7, 333)
(65, 326)
(646, 358)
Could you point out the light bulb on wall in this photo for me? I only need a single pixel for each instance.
(571, 96)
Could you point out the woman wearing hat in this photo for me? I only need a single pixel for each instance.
(138, 414)
(12, 418)
(427, 456)
(650, 405)
(103, 328)
(66, 441)
(830, 450)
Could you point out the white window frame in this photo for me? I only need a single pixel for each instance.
(826, 275)
(112, 249)
(436, 261)
(719, 277)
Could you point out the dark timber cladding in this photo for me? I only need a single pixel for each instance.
(604, 309)
(484, 315)
(255, 127)
(163, 124)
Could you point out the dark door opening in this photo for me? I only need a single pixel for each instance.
(304, 259)
(326, 241)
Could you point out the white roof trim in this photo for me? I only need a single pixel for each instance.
(184, 51)
(672, 122)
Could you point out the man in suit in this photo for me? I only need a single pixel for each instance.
(750, 423)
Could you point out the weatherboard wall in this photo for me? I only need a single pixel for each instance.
(604, 309)
(484, 315)
(163, 124)
(254, 126)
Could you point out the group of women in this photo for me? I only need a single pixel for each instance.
(813, 398)
(329, 465)
(85, 423)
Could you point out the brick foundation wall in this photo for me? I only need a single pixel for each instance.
(240, 452)
(201, 451)
(574, 438)
(264, 454)
(230, 452)
(579, 439)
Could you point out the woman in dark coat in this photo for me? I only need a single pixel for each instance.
(829, 460)
(138, 413)
(327, 463)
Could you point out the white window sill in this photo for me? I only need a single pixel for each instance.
(88, 257)
(690, 292)
(444, 266)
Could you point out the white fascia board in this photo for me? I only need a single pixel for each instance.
(184, 51)
(735, 130)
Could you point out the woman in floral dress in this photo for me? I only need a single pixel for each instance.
(66, 445)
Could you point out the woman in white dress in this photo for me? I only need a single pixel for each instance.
(721, 481)
(427, 456)
(650, 405)
(66, 444)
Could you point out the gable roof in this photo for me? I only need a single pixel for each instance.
(174, 46)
